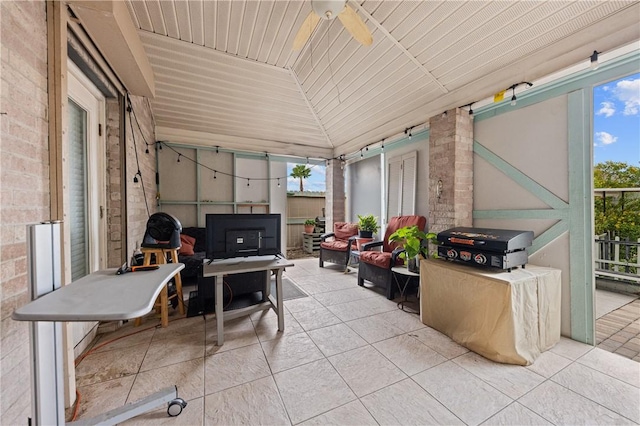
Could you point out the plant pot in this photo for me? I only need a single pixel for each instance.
(366, 234)
(309, 228)
(362, 241)
(413, 265)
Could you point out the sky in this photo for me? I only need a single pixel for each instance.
(616, 124)
(316, 181)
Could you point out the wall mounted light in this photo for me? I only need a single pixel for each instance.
(594, 60)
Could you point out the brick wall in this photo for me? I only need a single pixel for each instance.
(24, 186)
(137, 213)
(451, 161)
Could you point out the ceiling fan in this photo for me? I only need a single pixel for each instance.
(329, 10)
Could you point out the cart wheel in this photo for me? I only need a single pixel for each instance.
(175, 407)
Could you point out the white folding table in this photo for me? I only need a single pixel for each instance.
(219, 268)
(100, 296)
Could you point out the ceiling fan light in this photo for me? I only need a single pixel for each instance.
(328, 9)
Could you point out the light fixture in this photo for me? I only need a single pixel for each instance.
(135, 177)
(594, 60)
(248, 182)
(470, 105)
(160, 146)
(215, 174)
(179, 155)
(278, 182)
(470, 110)
(513, 98)
(410, 130)
(444, 114)
(382, 145)
(146, 151)
(361, 154)
(266, 155)
(217, 149)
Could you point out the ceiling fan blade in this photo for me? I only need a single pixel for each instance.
(305, 30)
(355, 26)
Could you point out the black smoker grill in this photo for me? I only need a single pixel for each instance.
(498, 248)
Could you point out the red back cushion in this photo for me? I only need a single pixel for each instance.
(344, 230)
(187, 243)
(400, 222)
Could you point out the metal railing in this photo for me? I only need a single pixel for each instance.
(616, 258)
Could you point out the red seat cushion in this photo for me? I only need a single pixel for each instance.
(335, 245)
(344, 230)
(381, 259)
(398, 222)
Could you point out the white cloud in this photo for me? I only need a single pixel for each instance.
(607, 109)
(604, 138)
(628, 92)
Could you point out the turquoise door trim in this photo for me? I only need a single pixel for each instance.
(581, 220)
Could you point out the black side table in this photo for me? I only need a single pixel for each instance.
(403, 277)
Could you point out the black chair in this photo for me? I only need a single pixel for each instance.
(336, 246)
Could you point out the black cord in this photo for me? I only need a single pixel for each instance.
(135, 149)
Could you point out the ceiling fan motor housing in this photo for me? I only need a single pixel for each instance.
(328, 9)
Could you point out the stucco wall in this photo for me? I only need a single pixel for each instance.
(24, 185)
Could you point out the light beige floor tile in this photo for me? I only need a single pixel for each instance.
(312, 389)
(101, 397)
(317, 318)
(562, 406)
(570, 348)
(192, 415)
(267, 327)
(464, 394)
(109, 365)
(290, 351)
(614, 394)
(236, 335)
(342, 296)
(254, 403)
(512, 380)
(403, 320)
(362, 308)
(193, 325)
(232, 368)
(613, 365)
(374, 329)
(407, 403)
(351, 414)
(365, 370)
(409, 354)
(255, 317)
(180, 348)
(336, 339)
(302, 305)
(439, 342)
(123, 338)
(516, 414)
(548, 364)
(188, 376)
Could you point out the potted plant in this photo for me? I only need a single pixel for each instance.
(309, 226)
(368, 225)
(414, 241)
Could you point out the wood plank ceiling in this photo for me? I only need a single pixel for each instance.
(226, 75)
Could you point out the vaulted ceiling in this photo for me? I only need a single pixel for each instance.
(226, 74)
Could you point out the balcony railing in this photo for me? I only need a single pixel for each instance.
(617, 259)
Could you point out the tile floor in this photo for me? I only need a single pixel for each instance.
(618, 324)
(348, 356)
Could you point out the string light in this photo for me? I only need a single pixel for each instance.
(248, 182)
(179, 155)
(146, 151)
(513, 91)
(594, 60)
(217, 149)
(278, 182)
(215, 174)
(382, 145)
(361, 154)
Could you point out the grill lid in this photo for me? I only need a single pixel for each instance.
(503, 240)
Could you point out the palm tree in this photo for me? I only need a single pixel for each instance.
(301, 171)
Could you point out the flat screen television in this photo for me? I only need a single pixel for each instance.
(242, 235)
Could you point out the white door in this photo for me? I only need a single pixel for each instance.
(85, 177)
(401, 185)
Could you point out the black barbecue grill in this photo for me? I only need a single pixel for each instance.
(498, 248)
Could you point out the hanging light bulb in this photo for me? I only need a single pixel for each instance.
(278, 182)
(594, 60)
(215, 174)
(410, 130)
(444, 114)
(248, 182)
(361, 154)
(382, 146)
(160, 146)
(135, 179)
(146, 151)
(513, 98)
(470, 110)
(179, 155)
(217, 149)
